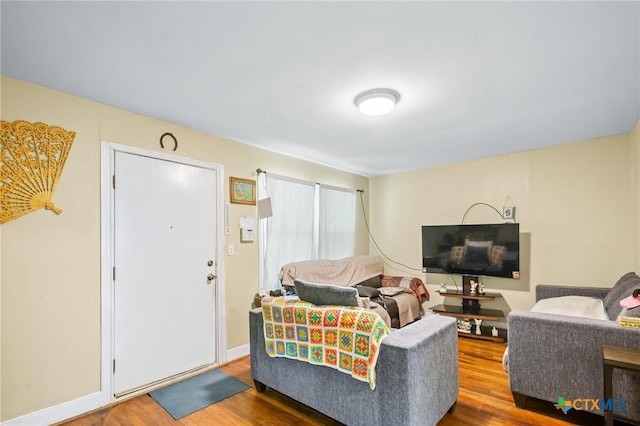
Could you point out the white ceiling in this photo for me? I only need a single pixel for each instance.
(476, 78)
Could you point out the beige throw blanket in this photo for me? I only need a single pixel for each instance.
(343, 272)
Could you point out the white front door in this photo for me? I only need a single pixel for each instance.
(165, 248)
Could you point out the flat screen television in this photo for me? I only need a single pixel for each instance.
(477, 250)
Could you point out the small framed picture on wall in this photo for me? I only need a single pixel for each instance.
(243, 191)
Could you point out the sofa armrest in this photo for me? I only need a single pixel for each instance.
(546, 291)
(418, 363)
(553, 356)
(417, 376)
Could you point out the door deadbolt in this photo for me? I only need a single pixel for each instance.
(210, 263)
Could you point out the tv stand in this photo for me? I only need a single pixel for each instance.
(471, 311)
(470, 305)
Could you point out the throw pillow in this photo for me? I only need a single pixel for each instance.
(477, 252)
(370, 292)
(574, 306)
(633, 313)
(374, 282)
(630, 306)
(476, 255)
(457, 254)
(486, 244)
(497, 253)
(326, 294)
(623, 288)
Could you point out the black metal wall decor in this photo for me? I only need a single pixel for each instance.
(175, 141)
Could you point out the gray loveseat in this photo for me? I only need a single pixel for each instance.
(552, 356)
(417, 377)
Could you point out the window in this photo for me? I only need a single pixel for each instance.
(309, 221)
(336, 222)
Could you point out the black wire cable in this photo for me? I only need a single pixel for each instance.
(375, 243)
(454, 281)
(464, 217)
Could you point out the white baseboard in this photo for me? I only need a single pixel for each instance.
(59, 412)
(84, 404)
(237, 352)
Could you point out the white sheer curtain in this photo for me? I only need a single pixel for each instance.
(337, 216)
(288, 233)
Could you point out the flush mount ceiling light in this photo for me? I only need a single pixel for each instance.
(377, 101)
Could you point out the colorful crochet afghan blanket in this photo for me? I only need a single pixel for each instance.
(344, 338)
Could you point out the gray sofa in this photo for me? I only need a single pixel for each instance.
(553, 356)
(417, 377)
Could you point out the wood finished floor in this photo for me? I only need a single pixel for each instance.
(484, 400)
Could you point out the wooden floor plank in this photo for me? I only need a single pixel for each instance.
(484, 399)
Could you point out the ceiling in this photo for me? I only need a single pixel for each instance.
(476, 78)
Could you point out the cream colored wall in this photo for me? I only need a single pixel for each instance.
(635, 181)
(50, 265)
(1, 381)
(1, 324)
(1, 295)
(574, 204)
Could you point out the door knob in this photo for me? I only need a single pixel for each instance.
(211, 277)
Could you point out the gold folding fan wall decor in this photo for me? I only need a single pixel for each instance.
(32, 156)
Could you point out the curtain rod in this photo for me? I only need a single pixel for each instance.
(259, 170)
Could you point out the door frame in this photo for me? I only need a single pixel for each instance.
(107, 246)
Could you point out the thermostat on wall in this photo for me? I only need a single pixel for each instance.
(247, 234)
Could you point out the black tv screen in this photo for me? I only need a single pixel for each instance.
(487, 250)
